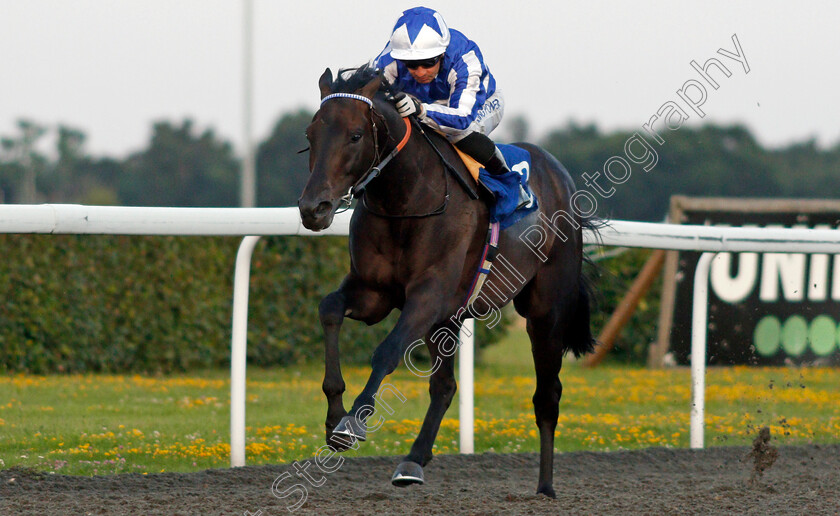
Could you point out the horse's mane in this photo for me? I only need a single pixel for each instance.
(351, 79)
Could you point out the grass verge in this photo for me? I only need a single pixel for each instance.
(100, 424)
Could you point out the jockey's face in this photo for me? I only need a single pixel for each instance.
(421, 72)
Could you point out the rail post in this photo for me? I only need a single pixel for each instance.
(466, 401)
(698, 349)
(238, 350)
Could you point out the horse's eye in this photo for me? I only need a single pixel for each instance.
(356, 137)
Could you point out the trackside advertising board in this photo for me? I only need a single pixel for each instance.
(764, 308)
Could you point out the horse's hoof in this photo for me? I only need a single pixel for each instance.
(408, 473)
(339, 443)
(547, 491)
(350, 429)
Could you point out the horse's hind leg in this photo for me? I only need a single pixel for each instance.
(547, 350)
(441, 342)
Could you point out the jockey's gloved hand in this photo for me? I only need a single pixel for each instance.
(408, 105)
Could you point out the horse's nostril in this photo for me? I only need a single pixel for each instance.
(323, 209)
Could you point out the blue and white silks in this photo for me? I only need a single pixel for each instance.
(456, 96)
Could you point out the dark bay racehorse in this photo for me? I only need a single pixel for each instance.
(415, 244)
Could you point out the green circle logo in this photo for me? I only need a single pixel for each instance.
(822, 335)
(795, 335)
(767, 336)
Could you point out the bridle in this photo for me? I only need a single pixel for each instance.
(375, 169)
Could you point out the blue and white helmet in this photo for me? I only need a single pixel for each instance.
(420, 33)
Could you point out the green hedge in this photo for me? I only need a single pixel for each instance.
(159, 304)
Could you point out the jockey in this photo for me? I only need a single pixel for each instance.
(445, 82)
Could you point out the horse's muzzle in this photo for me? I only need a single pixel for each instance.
(316, 216)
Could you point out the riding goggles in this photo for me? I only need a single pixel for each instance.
(422, 63)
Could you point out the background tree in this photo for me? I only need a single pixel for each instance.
(75, 177)
(181, 168)
(281, 171)
(518, 129)
(705, 161)
(184, 167)
(24, 162)
(72, 162)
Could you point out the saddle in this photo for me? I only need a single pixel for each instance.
(472, 165)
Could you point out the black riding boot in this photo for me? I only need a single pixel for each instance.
(496, 164)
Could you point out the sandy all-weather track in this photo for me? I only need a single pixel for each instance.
(803, 480)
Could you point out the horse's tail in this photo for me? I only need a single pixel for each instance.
(579, 336)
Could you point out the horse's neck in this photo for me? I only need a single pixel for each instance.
(411, 182)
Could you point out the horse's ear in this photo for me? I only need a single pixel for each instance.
(370, 89)
(325, 83)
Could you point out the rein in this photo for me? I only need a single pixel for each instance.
(357, 190)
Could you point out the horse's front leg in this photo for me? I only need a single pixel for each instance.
(422, 309)
(442, 342)
(354, 301)
(331, 312)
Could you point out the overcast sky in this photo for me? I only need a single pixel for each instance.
(111, 67)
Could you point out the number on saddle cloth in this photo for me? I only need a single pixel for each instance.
(506, 186)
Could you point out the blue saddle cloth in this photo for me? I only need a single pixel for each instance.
(506, 186)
